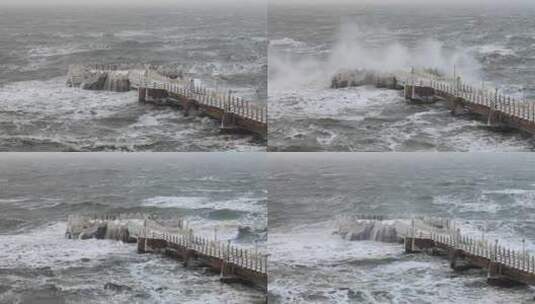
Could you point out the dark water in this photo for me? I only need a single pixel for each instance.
(483, 192)
(39, 191)
(226, 46)
(490, 46)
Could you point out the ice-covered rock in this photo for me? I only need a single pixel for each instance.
(118, 231)
(93, 81)
(357, 78)
(85, 228)
(371, 230)
(117, 81)
(97, 231)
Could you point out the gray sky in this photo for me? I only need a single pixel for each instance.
(125, 2)
(427, 2)
(211, 2)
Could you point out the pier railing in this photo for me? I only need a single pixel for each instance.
(231, 254)
(430, 220)
(493, 99)
(205, 96)
(452, 237)
(141, 225)
(149, 77)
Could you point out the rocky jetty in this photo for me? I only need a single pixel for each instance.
(355, 78)
(83, 229)
(114, 77)
(380, 230)
(369, 230)
(93, 79)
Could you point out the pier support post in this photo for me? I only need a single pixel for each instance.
(142, 93)
(409, 245)
(408, 92)
(141, 243)
(191, 108)
(156, 95)
(453, 254)
(456, 107)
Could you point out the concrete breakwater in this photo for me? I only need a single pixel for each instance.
(429, 86)
(442, 237)
(173, 238)
(166, 87)
(350, 78)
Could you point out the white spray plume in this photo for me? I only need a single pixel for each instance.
(349, 52)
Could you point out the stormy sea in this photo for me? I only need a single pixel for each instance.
(219, 43)
(485, 193)
(490, 45)
(39, 265)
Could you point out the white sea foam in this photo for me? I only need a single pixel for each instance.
(189, 286)
(510, 191)
(474, 136)
(313, 244)
(133, 33)
(63, 50)
(47, 247)
(72, 262)
(53, 97)
(31, 204)
(309, 267)
(246, 204)
(456, 204)
(350, 103)
(61, 108)
(496, 49)
(286, 42)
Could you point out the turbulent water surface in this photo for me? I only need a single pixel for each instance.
(491, 46)
(39, 191)
(222, 44)
(490, 193)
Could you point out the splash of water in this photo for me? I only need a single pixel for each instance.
(351, 52)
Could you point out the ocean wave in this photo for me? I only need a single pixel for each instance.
(510, 191)
(47, 115)
(496, 49)
(243, 204)
(40, 248)
(31, 204)
(312, 245)
(307, 268)
(53, 97)
(456, 204)
(345, 104)
(63, 50)
(43, 263)
(287, 42)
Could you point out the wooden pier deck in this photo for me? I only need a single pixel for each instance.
(232, 263)
(235, 114)
(437, 236)
(504, 266)
(421, 86)
(490, 105)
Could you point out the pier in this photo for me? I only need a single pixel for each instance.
(436, 236)
(423, 87)
(504, 266)
(175, 240)
(235, 114)
(462, 98)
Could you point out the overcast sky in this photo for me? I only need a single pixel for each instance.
(125, 2)
(428, 2)
(208, 2)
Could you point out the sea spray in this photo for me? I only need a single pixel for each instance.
(350, 52)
